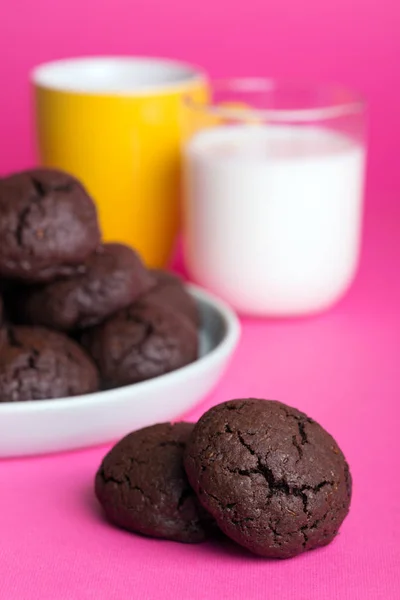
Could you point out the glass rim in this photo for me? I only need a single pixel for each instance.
(71, 75)
(355, 104)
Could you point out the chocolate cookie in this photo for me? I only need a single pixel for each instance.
(170, 291)
(37, 364)
(274, 480)
(114, 277)
(48, 225)
(142, 485)
(141, 342)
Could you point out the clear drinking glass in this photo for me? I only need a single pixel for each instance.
(273, 194)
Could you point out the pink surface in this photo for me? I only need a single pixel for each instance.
(342, 367)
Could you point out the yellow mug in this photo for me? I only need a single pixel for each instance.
(116, 124)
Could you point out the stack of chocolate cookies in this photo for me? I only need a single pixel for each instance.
(263, 473)
(78, 315)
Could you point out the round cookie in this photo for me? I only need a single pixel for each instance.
(142, 485)
(114, 277)
(274, 480)
(38, 364)
(48, 225)
(140, 342)
(170, 291)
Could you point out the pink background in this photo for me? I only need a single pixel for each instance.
(357, 43)
(341, 367)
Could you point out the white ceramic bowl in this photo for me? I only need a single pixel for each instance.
(42, 426)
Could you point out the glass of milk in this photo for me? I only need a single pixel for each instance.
(273, 194)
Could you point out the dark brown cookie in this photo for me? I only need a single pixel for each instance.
(48, 225)
(141, 342)
(37, 364)
(274, 480)
(114, 277)
(142, 485)
(170, 291)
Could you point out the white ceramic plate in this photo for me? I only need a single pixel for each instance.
(42, 426)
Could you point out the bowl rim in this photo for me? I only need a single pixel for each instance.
(223, 348)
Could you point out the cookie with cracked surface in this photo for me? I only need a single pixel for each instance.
(39, 364)
(140, 342)
(142, 485)
(114, 277)
(48, 225)
(274, 480)
(170, 291)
